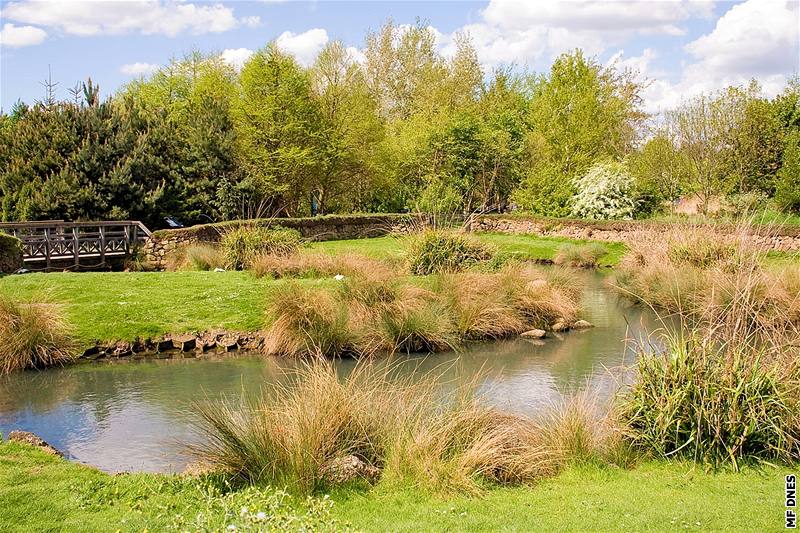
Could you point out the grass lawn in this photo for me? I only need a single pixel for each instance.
(39, 492)
(110, 306)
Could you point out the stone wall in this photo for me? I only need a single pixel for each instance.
(785, 239)
(331, 227)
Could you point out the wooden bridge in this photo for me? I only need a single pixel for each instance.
(55, 244)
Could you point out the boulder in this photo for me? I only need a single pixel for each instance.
(534, 333)
(348, 468)
(31, 439)
(582, 324)
(559, 326)
(228, 343)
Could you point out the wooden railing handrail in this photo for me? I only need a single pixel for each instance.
(53, 224)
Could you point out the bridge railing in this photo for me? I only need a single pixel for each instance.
(45, 243)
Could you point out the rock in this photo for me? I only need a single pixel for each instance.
(559, 326)
(348, 468)
(534, 333)
(26, 437)
(582, 324)
(228, 343)
(184, 343)
(198, 468)
(122, 349)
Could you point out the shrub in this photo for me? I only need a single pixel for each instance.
(10, 254)
(407, 427)
(204, 257)
(715, 402)
(580, 255)
(604, 192)
(243, 244)
(436, 251)
(32, 336)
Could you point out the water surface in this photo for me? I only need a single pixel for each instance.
(136, 415)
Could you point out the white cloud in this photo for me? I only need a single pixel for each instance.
(754, 39)
(525, 32)
(137, 69)
(148, 17)
(304, 46)
(593, 15)
(751, 38)
(236, 57)
(18, 36)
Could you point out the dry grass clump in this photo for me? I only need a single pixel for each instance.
(367, 314)
(580, 255)
(434, 251)
(713, 278)
(242, 245)
(403, 426)
(712, 398)
(201, 257)
(316, 265)
(33, 336)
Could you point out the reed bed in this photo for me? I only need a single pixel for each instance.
(373, 313)
(405, 427)
(33, 335)
(714, 279)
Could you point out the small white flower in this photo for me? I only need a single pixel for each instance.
(338, 277)
(243, 511)
(261, 515)
(231, 527)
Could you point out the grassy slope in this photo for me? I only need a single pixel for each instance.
(39, 492)
(124, 305)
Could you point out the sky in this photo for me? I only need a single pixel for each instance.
(679, 48)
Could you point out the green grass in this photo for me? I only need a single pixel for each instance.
(39, 492)
(123, 305)
(533, 248)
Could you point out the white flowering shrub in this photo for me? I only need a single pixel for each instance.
(604, 192)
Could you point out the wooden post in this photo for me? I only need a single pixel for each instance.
(76, 247)
(47, 246)
(102, 244)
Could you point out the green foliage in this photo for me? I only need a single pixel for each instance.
(787, 186)
(436, 251)
(10, 254)
(243, 244)
(714, 404)
(601, 122)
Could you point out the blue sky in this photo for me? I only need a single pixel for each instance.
(682, 47)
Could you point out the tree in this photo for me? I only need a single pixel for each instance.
(660, 172)
(579, 113)
(604, 192)
(352, 175)
(280, 145)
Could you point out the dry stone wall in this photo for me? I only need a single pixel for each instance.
(163, 242)
(786, 239)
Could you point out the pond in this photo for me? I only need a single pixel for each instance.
(137, 416)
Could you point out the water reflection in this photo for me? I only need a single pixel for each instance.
(136, 415)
